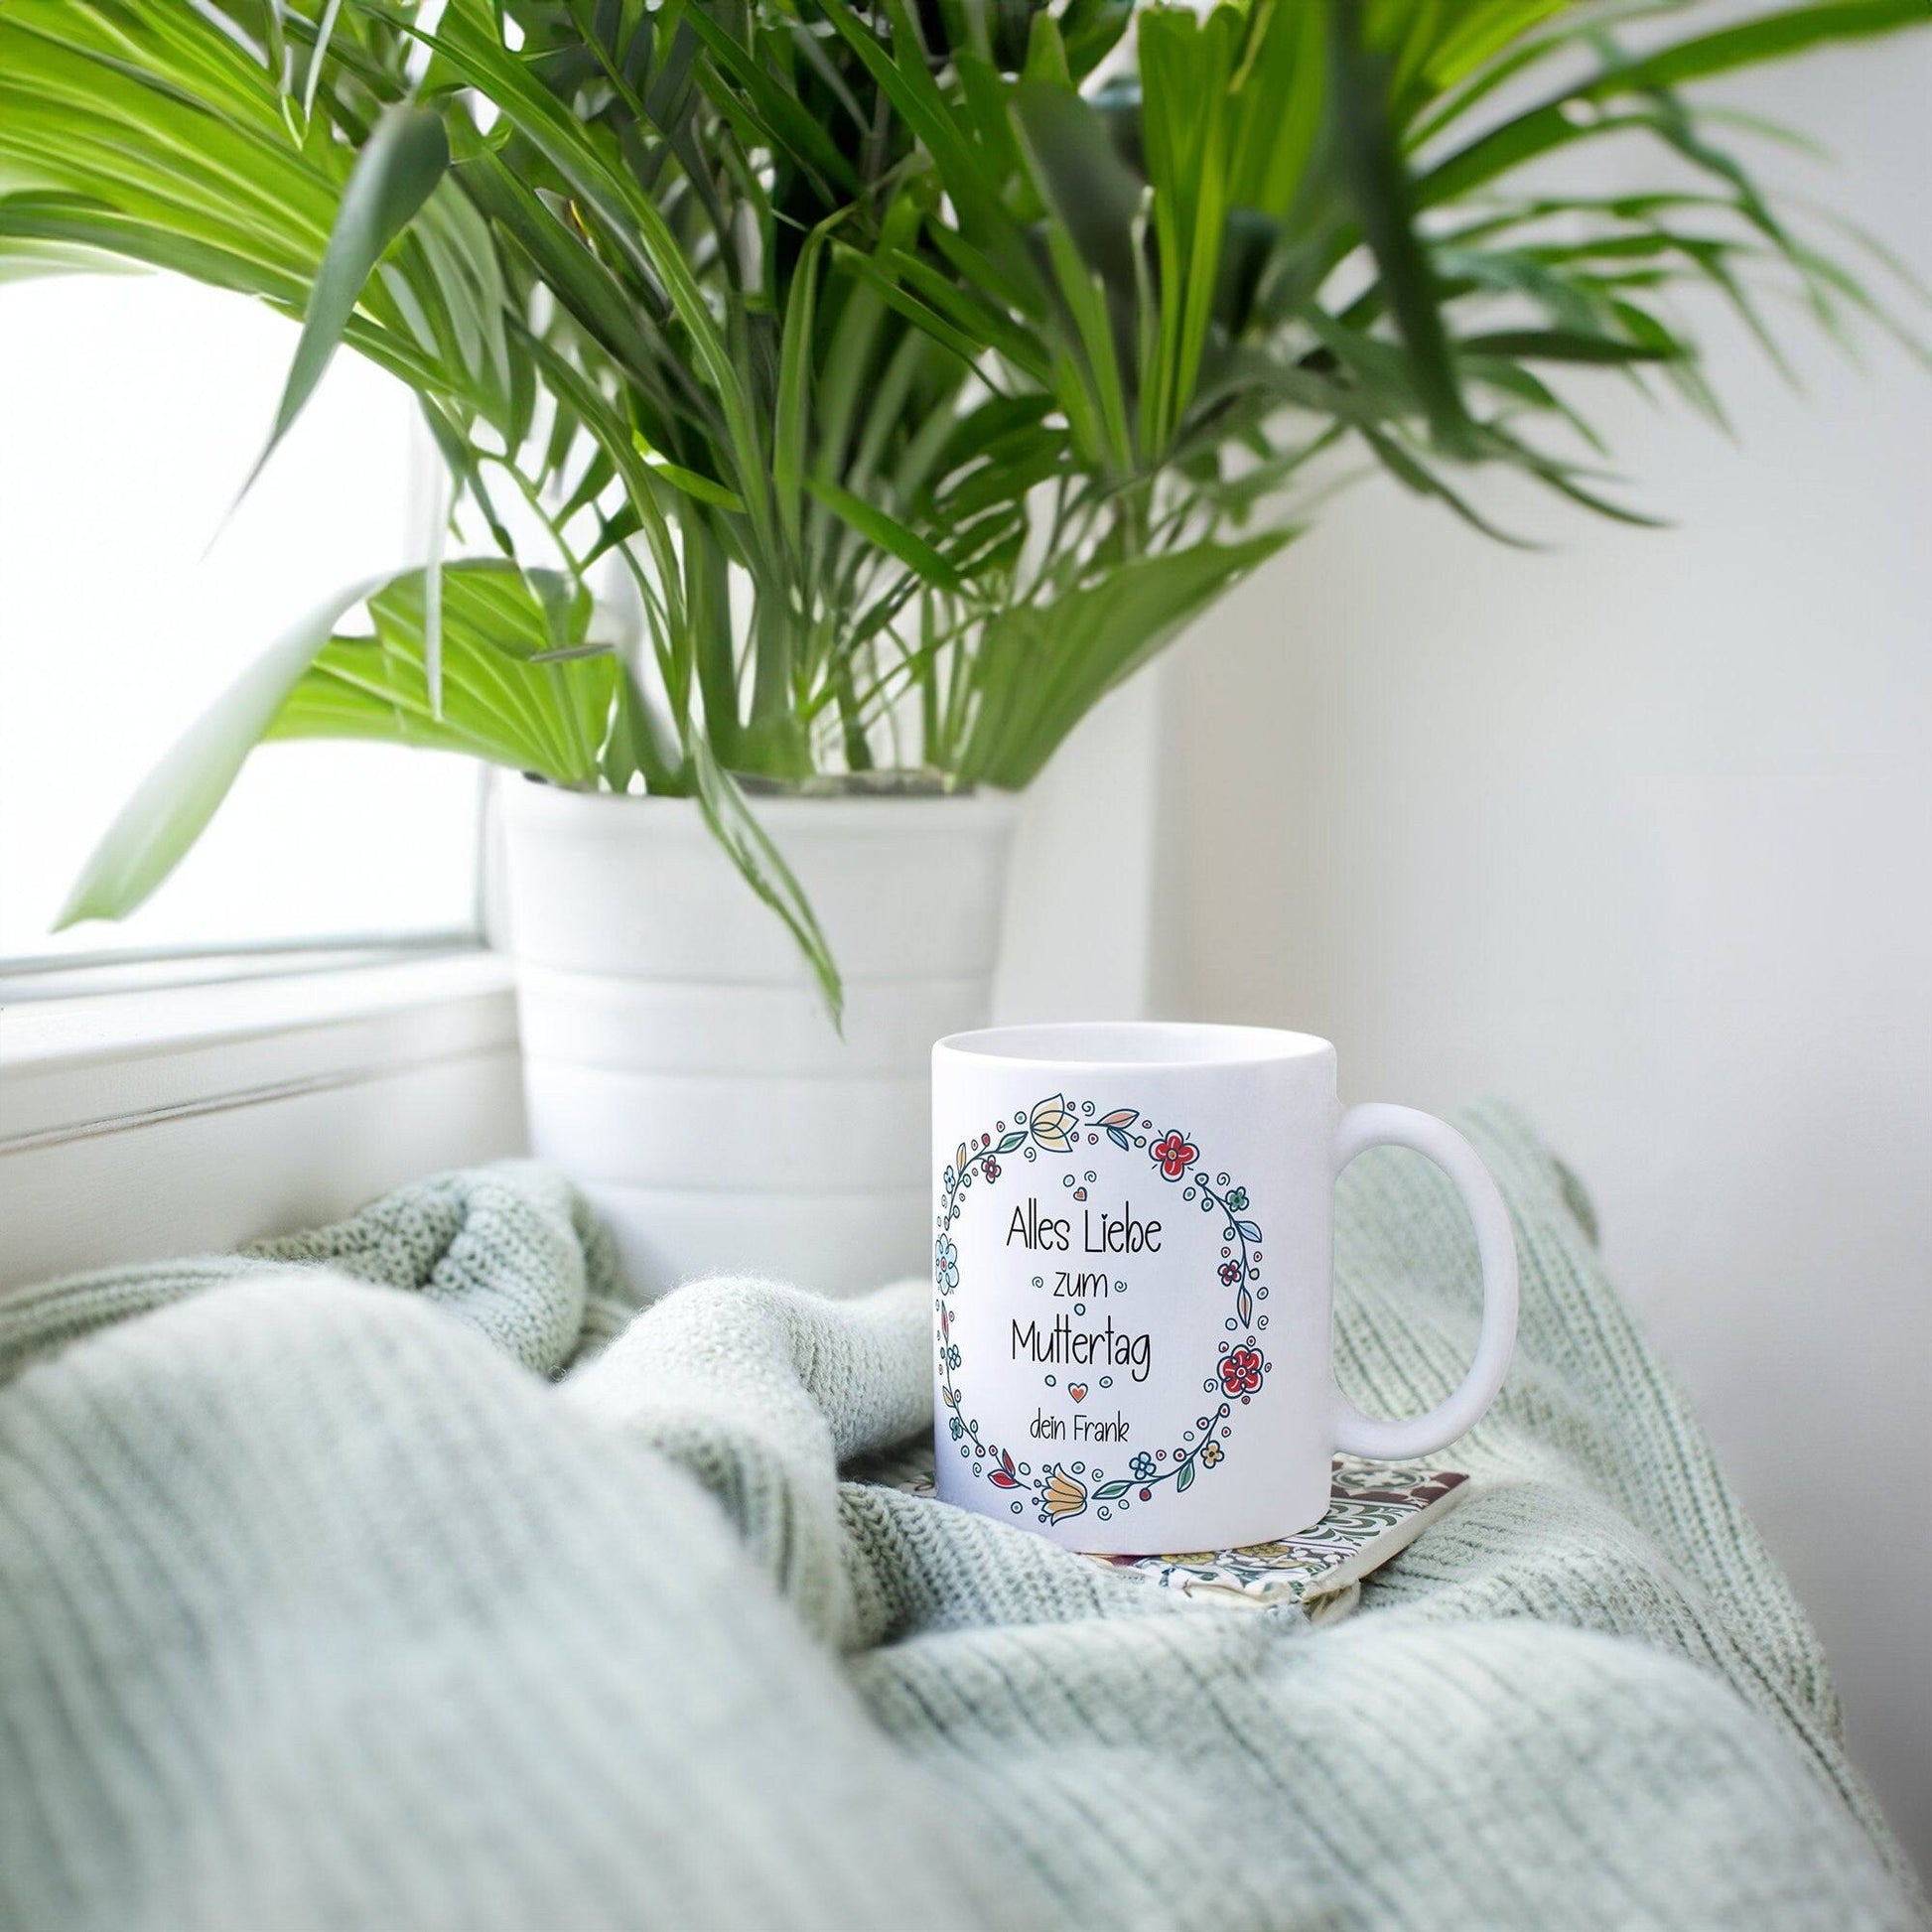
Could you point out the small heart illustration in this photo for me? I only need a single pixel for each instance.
(1079, 1194)
(1078, 1390)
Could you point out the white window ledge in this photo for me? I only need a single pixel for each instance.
(190, 1118)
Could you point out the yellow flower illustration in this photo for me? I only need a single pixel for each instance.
(1064, 1496)
(1053, 1125)
(1210, 1454)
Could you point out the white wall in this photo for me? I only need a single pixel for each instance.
(1639, 833)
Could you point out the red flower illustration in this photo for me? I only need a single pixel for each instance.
(1174, 1154)
(1230, 1271)
(1241, 1371)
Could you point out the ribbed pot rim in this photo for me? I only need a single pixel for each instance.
(535, 800)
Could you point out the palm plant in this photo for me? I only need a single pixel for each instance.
(613, 306)
(918, 384)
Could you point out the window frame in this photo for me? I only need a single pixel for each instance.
(36, 975)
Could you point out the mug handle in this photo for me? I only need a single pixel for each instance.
(1396, 1441)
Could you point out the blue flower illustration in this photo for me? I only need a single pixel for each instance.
(1142, 1466)
(945, 1262)
(1237, 1199)
(958, 1428)
(952, 1356)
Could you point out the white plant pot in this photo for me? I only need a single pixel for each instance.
(678, 1060)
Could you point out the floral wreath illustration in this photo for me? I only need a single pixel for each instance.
(1060, 1490)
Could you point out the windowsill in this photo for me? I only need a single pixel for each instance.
(105, 1062)
(191, 1117)
(92, 975)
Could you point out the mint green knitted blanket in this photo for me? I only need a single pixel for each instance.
(386, 1578)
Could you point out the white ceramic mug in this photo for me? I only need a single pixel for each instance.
(1131, 1305)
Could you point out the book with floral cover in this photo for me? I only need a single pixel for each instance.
(1375, 1509)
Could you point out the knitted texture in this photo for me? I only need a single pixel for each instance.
(327, 1604)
